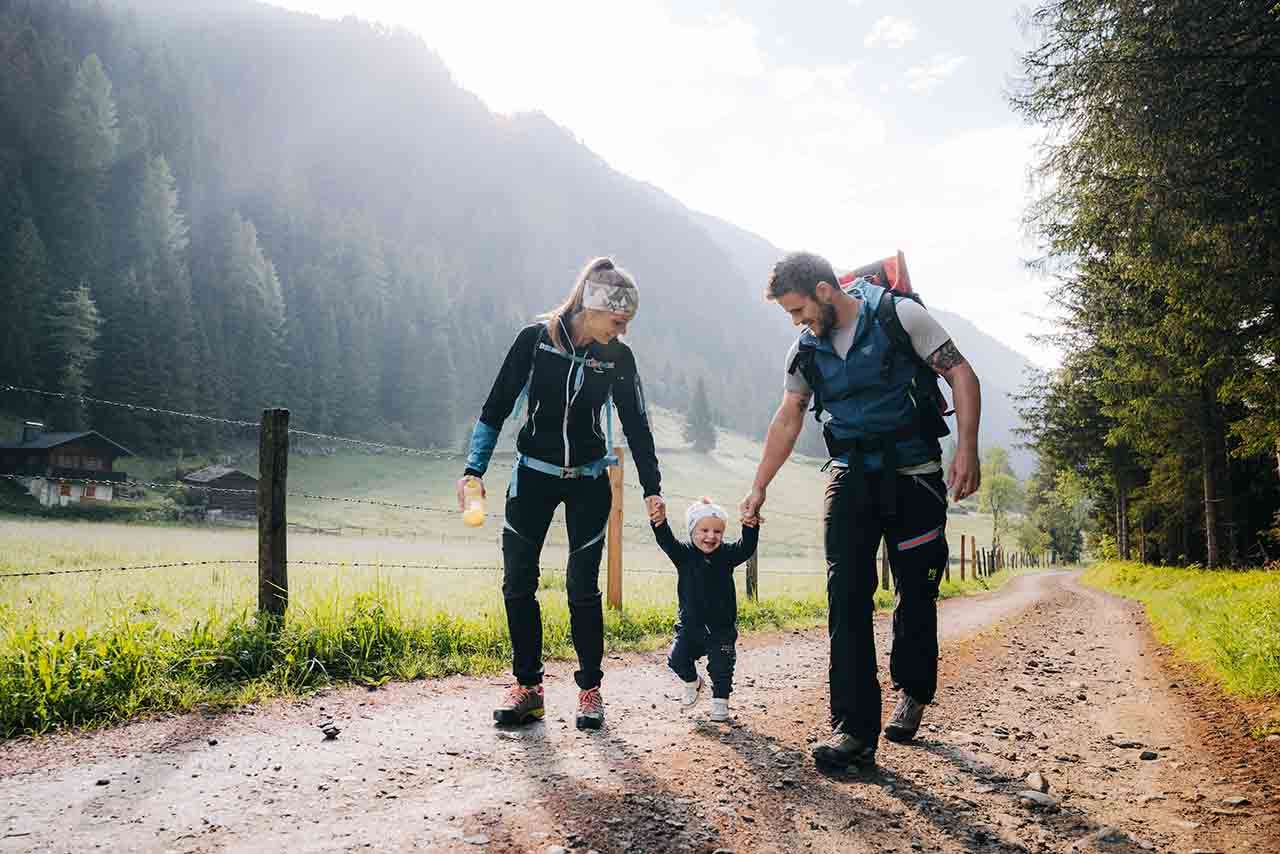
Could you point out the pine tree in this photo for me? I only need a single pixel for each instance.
(24, 285)
(73, 335)
(72, 182)
(700, 428)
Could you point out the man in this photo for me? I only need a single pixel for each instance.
(880, 417)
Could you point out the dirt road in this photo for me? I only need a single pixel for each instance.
(1044, 676)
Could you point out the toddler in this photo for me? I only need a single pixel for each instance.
(708, 614)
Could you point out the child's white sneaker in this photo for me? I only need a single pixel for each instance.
(692, 691)
(719, 709)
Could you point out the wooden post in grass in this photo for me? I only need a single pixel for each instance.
(963, 546)
(885, 575)
(614, 591)
(273, 525)
(753, 576)
(973, 554)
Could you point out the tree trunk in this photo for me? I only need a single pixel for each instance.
(1209, 467)
(1122, 516)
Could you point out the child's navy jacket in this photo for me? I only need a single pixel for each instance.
(705, 585)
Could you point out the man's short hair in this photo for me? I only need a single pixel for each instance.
(799, 273)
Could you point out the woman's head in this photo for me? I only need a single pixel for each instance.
(607, 298)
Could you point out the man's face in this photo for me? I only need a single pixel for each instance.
(815, 312)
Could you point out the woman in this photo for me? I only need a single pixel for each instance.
(568, 366)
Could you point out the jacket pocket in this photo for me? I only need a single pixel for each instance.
(931, 489)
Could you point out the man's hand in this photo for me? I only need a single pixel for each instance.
(751, 505)
(657, 509)
(966, 474)
(462, 490)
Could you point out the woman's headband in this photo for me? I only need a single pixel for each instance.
(616, 299)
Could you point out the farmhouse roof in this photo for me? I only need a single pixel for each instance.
(212, 473)
(45, 441)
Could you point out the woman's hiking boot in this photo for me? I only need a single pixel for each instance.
(905, 722)
(522, 704)
(719, 709)
(842, 751)
(590, 709)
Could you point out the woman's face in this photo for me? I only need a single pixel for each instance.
(604, 326)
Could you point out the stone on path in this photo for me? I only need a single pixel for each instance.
(1037, 800)
(1037, 781)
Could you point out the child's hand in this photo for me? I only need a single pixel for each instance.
(752, 521)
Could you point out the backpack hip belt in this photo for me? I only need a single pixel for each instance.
(884, 443)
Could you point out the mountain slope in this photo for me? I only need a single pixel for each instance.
(1001, 369)
(290, 210)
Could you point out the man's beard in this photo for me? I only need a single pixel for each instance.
(826, 320)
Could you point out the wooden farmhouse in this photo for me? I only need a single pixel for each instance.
(225, 477)
(52, 466)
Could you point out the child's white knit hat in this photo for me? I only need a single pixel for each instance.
(702, 510)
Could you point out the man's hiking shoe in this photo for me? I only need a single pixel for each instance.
(590, 709)
(905, 721)
(692, 691)
(522, 704)
(842, 751)
(719, 709)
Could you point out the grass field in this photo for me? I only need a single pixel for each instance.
(1226, 621)
(89, 648)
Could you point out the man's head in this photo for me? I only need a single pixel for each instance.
(805, 285)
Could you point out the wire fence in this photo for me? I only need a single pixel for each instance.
(243, 424)
(350, 564)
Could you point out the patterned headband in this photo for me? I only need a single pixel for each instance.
(617, 299)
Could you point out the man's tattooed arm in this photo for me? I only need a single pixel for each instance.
(945, 358)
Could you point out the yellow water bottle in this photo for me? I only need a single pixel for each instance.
(473, 494)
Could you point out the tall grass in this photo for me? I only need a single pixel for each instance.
(1226, 621)
(131, 665)
(91, 649)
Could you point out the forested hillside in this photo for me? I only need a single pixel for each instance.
(216, 206)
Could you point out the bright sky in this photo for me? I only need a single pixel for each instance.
(848, 127)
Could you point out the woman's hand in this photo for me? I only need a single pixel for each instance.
(462, 489)
(657, 509)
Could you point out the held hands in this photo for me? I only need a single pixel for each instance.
(657, 509)
(750, 507)
(462, 490)
(966, 474)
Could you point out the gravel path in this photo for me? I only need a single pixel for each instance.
(1044, 676)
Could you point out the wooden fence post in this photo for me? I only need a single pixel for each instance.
(963, 547)
(753, 576)
(273, 525)
(614, 592)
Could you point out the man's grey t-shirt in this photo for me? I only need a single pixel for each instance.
(926, 335)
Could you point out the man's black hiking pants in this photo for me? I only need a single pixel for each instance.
(915, 534)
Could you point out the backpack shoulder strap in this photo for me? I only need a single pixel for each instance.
(806, 363)
(528, 383)
(887, 316)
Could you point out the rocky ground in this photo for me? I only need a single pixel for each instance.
(1061, 726)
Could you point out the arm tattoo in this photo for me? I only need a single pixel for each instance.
(945, 358)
